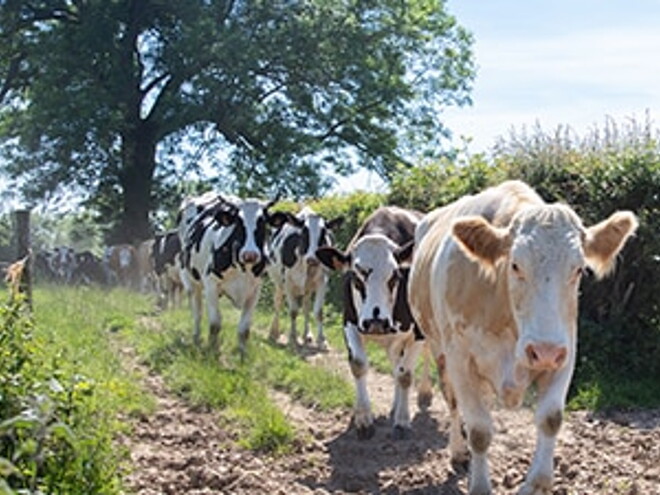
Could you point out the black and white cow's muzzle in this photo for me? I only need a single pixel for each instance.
(377, 324)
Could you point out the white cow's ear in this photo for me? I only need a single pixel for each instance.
(333, 258)
(604, 240)
(481, 241)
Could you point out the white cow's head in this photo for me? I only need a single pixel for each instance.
(373, 268)
(543, 255)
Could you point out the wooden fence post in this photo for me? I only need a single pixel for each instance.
(23, 251)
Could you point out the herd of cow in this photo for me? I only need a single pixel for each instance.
(487, 287)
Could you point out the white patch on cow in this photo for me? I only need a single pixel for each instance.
(374, 264)
(124, 257)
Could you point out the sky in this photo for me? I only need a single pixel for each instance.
(572, 63)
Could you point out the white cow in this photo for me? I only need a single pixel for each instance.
(297, 273)
(494, 287)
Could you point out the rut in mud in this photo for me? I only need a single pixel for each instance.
(183, 450)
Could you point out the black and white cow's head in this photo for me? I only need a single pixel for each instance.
(375, 298)
(311, 232)
(246, 244)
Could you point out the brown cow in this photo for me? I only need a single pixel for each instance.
(494, 287)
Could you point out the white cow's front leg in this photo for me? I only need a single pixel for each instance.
(548, 419)
(404, 363)
(357, 359)
(294, 308)
(215, 319)
(478, 420)
(246, 318)
(306, 302)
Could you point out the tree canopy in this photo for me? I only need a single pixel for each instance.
(118, 98)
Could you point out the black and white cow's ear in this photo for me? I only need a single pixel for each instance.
(333, 258)
(225, 217)
(278, 218)
(334, 223)
(405, 252)
(295, 221)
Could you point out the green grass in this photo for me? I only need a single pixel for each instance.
(238, 388)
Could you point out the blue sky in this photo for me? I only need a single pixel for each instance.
(567, 62)
(563, 62)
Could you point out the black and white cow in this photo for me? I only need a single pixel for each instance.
(224, 252)
(88, 269)
(376, 267)
(165, 253)
(297, 273)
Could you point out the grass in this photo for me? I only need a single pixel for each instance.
(59, 437)
(238, 388)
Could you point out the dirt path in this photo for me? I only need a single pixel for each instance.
(180, 450)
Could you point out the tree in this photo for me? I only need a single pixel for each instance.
(116, 97)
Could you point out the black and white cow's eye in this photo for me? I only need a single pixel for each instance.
(394, 279)
(358, 284)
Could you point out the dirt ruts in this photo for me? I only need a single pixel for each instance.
(182, 450)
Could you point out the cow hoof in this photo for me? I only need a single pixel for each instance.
(461, 463)
(424, 400)
(401, 432)
(366, 432)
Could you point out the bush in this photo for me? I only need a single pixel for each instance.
(49, 440)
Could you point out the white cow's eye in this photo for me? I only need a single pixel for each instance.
(517, 271)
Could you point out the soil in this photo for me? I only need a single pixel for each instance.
(183, 450)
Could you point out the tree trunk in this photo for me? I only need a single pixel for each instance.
(136, 180)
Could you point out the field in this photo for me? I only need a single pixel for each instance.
(186, 421)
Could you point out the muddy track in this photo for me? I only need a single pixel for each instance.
(183, 450)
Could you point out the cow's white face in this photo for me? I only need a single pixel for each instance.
(253, 219)
(544, 268)
(375, 279)
(543, 255)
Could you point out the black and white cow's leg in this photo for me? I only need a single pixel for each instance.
(548, 418)
(319, 299)
(278, 296)
(294, 302)
(404, 359)
(357, 359)
(196, 306)
(306, 303)
(212, 295)
(245, 322)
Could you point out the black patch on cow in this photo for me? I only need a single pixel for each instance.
(166, 251)
(395, 224)
(195, 274)
(304, 239)
(402, 314)
(289, 254)
(324, 238)
(350, 313)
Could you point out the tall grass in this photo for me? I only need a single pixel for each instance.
(61, 394)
